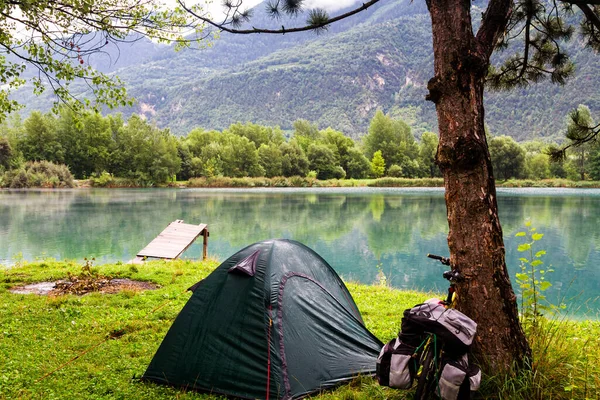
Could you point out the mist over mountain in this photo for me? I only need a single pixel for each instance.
(378, 59)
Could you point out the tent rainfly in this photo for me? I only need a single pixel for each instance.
(274, 321)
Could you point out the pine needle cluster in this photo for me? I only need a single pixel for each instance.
(539, 28)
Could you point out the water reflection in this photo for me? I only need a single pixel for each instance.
(353, 229)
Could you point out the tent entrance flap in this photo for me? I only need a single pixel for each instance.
(247, 265)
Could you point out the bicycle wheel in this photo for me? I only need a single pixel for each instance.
(426, 379)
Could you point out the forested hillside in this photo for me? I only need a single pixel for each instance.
(380, 59)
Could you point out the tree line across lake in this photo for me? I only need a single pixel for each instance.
(49, 150)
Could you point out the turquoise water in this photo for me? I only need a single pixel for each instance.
(359, 231)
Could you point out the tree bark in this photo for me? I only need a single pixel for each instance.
(475, 238)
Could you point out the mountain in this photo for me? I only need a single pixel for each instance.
(377, 59)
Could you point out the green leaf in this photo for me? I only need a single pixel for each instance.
(540, 253)
(528, 223)
(537, 236)
(522, 277)
(520, 234)
(545, 285)
(535, 263)
(524, 247)
(522, 259)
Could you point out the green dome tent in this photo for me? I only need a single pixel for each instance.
(274, 321)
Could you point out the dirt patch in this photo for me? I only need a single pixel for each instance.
(109, 286)
(40, 288)
(118, 285)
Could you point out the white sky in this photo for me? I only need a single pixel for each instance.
(329, 5)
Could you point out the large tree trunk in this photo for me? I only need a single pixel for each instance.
(475, 236)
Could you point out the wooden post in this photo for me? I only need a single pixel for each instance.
(205, 235)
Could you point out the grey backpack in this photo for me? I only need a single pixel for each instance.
(453, 327)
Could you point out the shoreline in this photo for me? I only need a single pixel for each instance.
(299, 182)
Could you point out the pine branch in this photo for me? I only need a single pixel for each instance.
(321, 23)
(590, 27)
(581, 2)
(493, 25)
(527, 43)
(543, 32)
(579, 132)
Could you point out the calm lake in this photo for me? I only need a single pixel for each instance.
(359, 231)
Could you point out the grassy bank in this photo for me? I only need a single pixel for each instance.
(41, 333)
(297, 181)
(549, 183)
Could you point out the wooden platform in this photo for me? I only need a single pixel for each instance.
(173, 241)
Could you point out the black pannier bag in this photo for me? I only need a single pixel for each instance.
(396, 367)
(458, 378)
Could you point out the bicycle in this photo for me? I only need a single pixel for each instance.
(432, 348)
(429, 354)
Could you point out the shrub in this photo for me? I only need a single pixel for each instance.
(280, 181)
(329, 183)
(395, 171)
(103, 180)
(16, 179)
(223, 181)
(555, 182)
(406, 182)
(339, 173)
(532, 279)
(39, 174)
(298, 181)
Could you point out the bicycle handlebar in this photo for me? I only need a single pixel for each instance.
(452, 275)
(443, 260)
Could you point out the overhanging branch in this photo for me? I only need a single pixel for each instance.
(283, 30)
(581, 2)
(494, 24)
(589, 13)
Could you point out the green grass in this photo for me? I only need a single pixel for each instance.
(42, 333)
